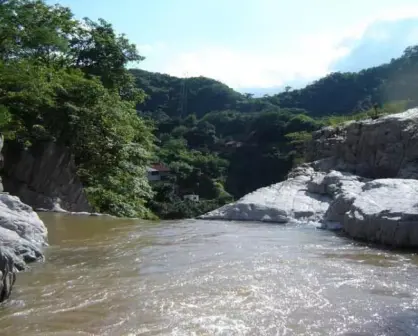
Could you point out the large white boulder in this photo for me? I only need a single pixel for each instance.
(22, 236)
(383, 211)
(278, 203)
(306, 195)
(330, 191)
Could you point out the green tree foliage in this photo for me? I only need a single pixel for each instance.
(99, 51)
(228, 154)
(335, 94)
(29, 29)
(262, 138)
(179, 97)
(347, 93)
(65, 81)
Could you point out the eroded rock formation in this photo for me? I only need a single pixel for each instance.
(362, 179)
(22, 237)
(45, 178)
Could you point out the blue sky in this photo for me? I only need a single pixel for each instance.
(259, 45)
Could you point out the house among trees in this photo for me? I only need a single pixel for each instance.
(233, 144)
(158, 172)
(191, 197)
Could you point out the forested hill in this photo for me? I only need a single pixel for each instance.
(178, 97)
(167, 93)
(342, 93)
(336, 94)
(222, 144)
(66, 81)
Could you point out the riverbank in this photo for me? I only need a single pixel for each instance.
(362, 180)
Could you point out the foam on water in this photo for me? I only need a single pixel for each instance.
(215, 278)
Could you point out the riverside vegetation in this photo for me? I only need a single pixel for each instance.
(66, 81)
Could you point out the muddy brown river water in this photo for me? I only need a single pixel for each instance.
(106, 276)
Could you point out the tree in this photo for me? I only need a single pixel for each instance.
(33, 30)
(98, 51)
(66, 82)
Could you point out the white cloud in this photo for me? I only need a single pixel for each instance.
(379, 42)
(398, 13)
(391, 14)
(412, 37)
(150, 49)
(307, 58)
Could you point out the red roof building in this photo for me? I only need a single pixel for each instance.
(160, 167)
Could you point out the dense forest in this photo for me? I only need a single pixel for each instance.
(67, 81)
(252, 142)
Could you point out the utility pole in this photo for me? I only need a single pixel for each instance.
(183, 97)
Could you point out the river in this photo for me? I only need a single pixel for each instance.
(105, 276)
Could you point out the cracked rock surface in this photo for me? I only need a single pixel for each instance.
(22, 237)
(362, 180)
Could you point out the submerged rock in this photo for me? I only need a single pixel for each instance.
(22, 236)
(362, 181)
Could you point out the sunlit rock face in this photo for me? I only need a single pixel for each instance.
(362, 180)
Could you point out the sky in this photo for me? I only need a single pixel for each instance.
(259, 46)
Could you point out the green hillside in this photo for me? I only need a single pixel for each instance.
(253, 142)
(66, 81)
(338, 93)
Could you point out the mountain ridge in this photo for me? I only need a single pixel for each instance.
(337, 93)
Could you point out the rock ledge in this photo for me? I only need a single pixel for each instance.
(22, 237)
(362, 180)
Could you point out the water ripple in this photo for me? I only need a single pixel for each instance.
(210, 278)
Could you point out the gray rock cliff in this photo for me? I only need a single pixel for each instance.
(45, 178)
(381, 148)
(22, 237)
(362, 180)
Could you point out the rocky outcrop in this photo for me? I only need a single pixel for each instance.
(385, 211)
(22, 237)
(361, 182)
(383, 148)
(279, 202)
(306, 195)
(45, 178)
